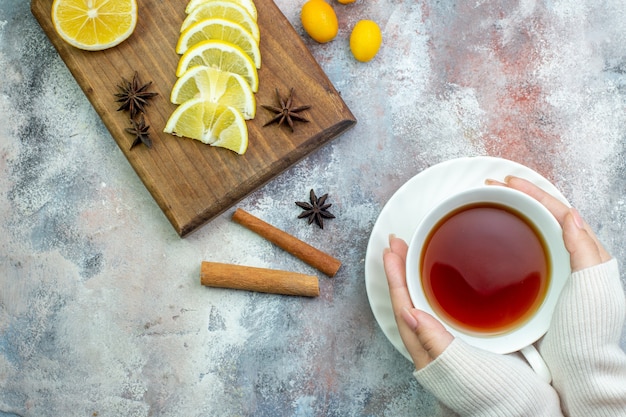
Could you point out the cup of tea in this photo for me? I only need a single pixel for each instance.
(490, 263)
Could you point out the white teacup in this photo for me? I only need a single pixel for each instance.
(534, 324)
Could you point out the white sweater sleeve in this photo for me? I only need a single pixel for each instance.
(477, 383)
(582, 348)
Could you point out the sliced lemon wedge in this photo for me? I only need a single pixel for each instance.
(220, 29)
(210, 123)
(246, 4)
(223, 56)
(217, 86)
(226, 10)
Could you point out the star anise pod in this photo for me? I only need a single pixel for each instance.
(133, 96)
(140, 131)
(285, 111)
(317, 210)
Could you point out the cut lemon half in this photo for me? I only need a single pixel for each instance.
(220, 55)
(217, 86)
(209, 123)
(226, 10)
(94, 25)
(220, 29)
(246, 4)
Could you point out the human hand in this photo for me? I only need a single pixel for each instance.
(580, 241)
(461, 380)
(424, 336)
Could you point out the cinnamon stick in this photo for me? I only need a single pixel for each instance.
(239, 277)
(301, 250)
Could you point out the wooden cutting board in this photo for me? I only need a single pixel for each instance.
(190, 181)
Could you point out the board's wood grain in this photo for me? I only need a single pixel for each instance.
(190, 181)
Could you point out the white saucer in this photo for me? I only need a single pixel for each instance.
(405, 209)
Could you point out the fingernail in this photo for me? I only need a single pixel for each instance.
(578, 221)
(508, 178)
(392, 236)
(409, 319)
(490, 181)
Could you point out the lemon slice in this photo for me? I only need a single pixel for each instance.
(220, 29)
(246, 4)
(220, 55)
(210, 123)
(234, 138)
(94, 25)
(226, 10)
(217, 86)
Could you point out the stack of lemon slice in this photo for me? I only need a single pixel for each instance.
(217, 73)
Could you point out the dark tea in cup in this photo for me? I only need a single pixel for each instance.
(485, 268)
